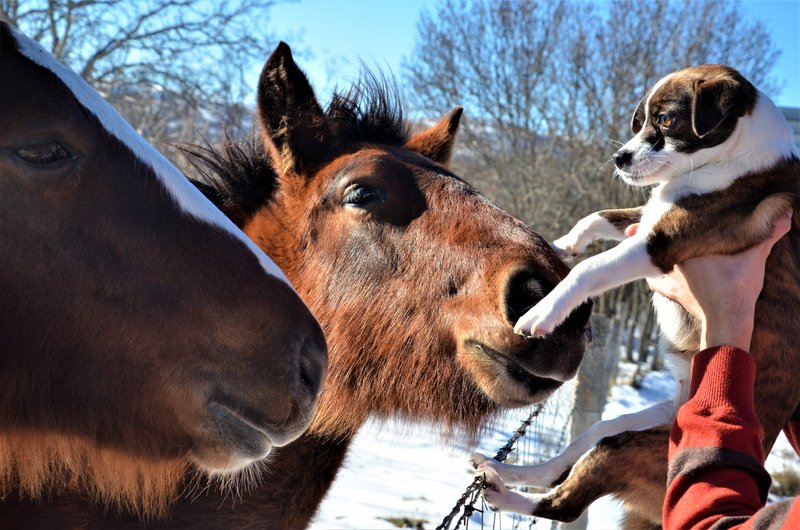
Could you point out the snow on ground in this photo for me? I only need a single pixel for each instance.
(409, 474)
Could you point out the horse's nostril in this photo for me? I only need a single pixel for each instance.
(523, 289)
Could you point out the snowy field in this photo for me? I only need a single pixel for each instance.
(398, 475)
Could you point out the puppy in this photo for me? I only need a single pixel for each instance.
(723, 165)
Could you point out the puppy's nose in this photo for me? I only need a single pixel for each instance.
(623, 158)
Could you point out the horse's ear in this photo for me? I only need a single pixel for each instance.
(436, 143)
(292, 121)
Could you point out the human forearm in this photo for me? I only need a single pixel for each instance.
(731, 328)
(716, 455)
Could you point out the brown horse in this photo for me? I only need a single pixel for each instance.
(140, 330)
(416, 279)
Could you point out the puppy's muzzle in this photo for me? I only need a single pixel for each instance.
(623, 158)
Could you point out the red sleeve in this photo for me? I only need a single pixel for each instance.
(716, 474)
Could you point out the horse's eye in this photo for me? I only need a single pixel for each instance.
(665, 120)
(358, 195)
(45, 153)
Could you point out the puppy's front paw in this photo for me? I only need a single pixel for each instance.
(539, 321)
(548, 313)
(568, 246)
(531, 324)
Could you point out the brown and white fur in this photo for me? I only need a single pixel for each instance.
(724, 167)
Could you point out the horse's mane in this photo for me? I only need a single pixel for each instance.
(238, 177)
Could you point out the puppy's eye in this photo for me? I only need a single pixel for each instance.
(665, 121)
(359, 195)
(43, 154)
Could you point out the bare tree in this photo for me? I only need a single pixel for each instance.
(549, 87)
(495, 59)
(174, 68)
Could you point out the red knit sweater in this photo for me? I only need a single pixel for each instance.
(716, 474)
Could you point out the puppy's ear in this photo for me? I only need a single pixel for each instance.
(637, 120)
(714, 100)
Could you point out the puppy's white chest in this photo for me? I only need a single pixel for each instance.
(661, 201)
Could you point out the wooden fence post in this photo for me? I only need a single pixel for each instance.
(591, 389)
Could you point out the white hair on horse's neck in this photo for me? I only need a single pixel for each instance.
(188, 198)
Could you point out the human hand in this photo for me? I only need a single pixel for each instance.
(721, 291)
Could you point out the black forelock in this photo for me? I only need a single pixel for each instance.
(237, 177)
(370, 110)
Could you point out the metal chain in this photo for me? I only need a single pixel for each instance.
(471, 494)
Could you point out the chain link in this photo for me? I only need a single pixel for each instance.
(471, 494)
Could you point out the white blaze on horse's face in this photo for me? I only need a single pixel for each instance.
(186, 196)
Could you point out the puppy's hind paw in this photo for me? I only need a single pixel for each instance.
(476, 459)
(492, 486)
(501, 499)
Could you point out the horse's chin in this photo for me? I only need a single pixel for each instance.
(228, 442)
(521, 397)
(503, 378)
(222, 464)
(514, 371)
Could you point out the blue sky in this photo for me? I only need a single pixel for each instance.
(782, 19)
(333, 36)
